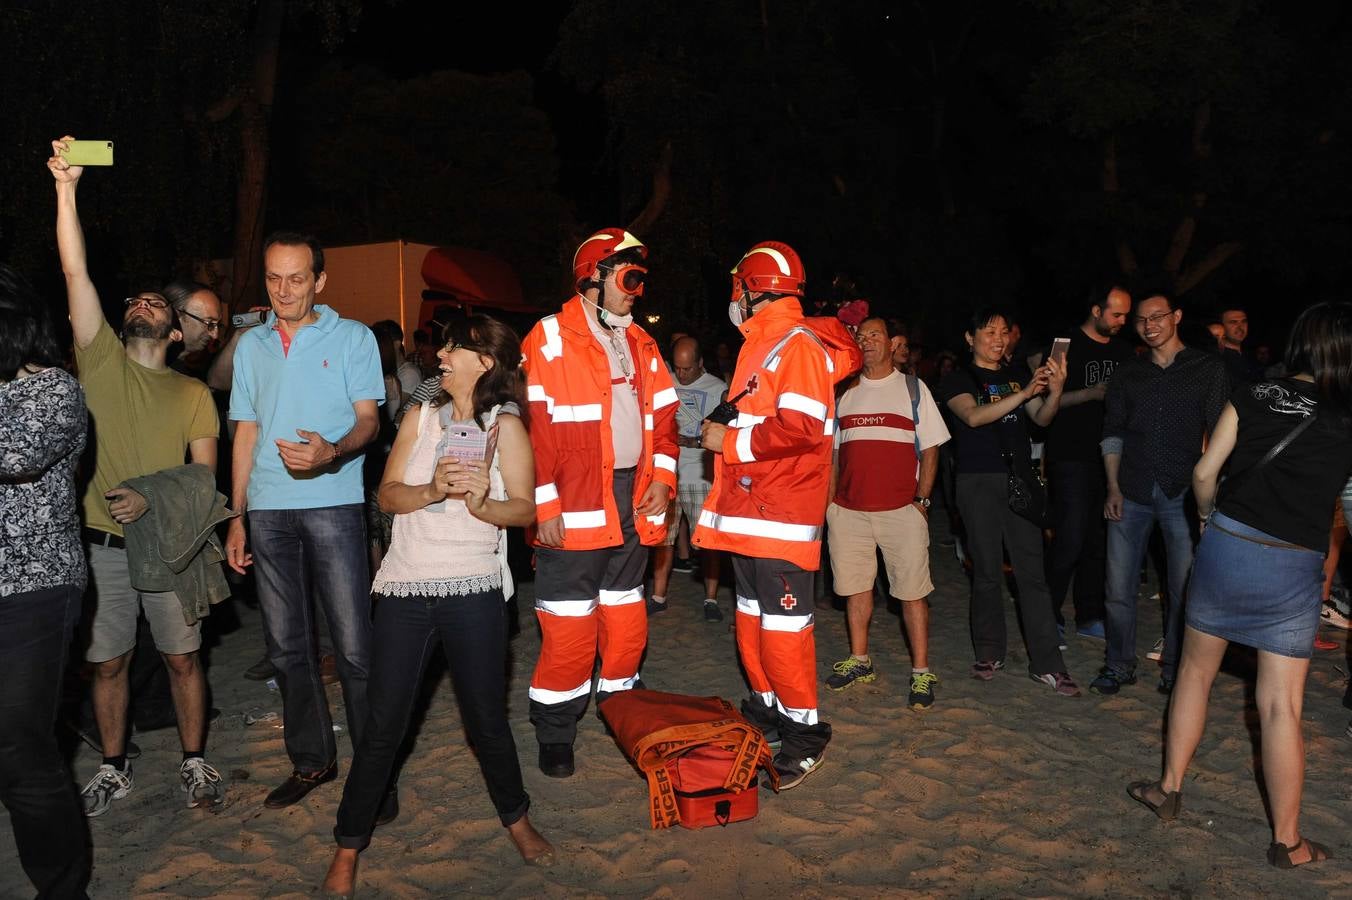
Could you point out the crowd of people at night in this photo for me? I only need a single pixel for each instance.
(366, 492)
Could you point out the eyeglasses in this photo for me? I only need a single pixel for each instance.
(452, 346)
(1153, 320)
(208, 324)
(152, 302)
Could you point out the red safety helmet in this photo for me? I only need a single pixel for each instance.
(769, 267)
(601, 246)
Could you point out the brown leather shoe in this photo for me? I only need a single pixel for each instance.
(298, 784)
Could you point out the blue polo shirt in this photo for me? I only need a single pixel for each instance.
(332, 364)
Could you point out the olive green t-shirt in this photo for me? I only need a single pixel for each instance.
(142, 420)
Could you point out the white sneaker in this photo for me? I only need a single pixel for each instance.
(1330, 616)
(201, 782)
(1156, 651)
(107, 785)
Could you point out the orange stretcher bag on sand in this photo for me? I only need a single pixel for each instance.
(699, 755)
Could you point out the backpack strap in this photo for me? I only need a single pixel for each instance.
(913, 388)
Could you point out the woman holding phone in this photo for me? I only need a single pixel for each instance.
(990, 402)
(1258, 575)
(445, 578)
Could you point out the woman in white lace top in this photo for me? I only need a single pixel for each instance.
(445, 579)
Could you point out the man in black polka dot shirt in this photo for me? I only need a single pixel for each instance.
(1160, 408)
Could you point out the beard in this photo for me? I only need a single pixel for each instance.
(144, 328)
(1106, 330)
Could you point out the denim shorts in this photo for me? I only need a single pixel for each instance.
(1248, 591)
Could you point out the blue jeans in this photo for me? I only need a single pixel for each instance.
(35, 785)
(1127, 540)
(319, 555)
(473, 631)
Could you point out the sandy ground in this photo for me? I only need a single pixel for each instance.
(1001, 790)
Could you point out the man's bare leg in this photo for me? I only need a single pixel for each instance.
(664, 557)
(915, 623)
(111, 695)
(710, 562)
(189, 688)
(858, 615)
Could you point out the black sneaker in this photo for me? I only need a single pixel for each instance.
(848, 671)
(793, 771)
(1166, 685)
(922, 690)
(654, 607)
(1110, 681)
(711, 611)
(684, 566)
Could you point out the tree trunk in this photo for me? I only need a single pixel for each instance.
(255, 114)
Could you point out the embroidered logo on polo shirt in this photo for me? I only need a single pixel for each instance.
(326, 363)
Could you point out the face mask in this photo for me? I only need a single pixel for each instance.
(610, 319)
(736, 313)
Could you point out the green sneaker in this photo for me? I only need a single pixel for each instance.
(848, 671)
(922, 690)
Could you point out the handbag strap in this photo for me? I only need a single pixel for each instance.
(1273, 453)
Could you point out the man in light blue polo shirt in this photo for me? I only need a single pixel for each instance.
(304, 399)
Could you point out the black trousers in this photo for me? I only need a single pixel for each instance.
(473, 631)
(1079, 547)
(35, 786)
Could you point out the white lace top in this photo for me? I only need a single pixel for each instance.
(442, 550)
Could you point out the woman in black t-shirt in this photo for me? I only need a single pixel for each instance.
(1258, 574)
(988, 402)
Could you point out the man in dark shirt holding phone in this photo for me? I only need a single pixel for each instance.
(1074, 462)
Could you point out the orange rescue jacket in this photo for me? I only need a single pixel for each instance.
(568, 388)
(770, 482)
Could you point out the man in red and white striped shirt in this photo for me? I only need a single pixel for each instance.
(887, 454)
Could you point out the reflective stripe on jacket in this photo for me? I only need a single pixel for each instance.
(568, 387)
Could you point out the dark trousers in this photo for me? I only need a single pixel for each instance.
(1079, 547)
(473, 631)
(300, 553)
(49, 829)
(984, 502)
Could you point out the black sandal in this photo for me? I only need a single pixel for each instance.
(1279, 854)
(1166, 809)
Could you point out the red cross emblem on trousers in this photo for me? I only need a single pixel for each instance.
(788, 601)
(752, 384)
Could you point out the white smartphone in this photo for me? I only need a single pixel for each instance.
(1060, 347)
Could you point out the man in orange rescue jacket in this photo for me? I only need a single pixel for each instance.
(769, 495)
(603, 427)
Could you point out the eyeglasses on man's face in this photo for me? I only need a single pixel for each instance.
(208, 324)
(152, 302)
(1142, 321)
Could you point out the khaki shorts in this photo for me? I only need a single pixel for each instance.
(689, 504)
(853, 537)
(114, 606)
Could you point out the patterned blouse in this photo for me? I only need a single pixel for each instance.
(42, 434)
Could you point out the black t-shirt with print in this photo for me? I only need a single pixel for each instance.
(1291, 498)
(979, 449)
(1076, 431)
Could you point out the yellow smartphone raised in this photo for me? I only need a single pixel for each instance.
(88, 153)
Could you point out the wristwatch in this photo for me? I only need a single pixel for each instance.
(923, 501)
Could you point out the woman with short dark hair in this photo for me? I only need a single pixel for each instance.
(42, 577)
(990, 402)
(1258, 575)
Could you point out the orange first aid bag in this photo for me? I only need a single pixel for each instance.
(699, 755)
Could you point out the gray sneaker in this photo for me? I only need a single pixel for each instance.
(107, 785)
(201, 782)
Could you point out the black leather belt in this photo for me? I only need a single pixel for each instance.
(103, 538)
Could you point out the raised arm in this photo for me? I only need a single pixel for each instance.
(86, 315)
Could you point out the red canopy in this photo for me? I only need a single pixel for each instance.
(473, 277)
